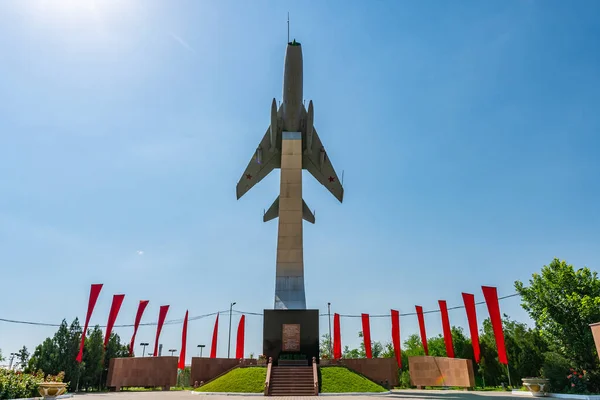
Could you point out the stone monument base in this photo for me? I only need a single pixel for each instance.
(441, 371)
(291, 335)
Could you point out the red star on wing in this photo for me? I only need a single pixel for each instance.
(331, 179)
(248, 176)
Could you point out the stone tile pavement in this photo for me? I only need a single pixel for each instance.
(396, 394)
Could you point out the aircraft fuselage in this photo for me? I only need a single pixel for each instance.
(292, 88)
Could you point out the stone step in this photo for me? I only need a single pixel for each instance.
(292, 370)
(290, 394)
(293, 393)
(294, 384)
(292, 381)
(292, 378)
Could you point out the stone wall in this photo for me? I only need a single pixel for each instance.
(596, 332)
(380, 370)
(142, 372)
(441, 371)
(205, 369)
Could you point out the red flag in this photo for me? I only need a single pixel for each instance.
(239, 347)
(396, 337)
(183, 342)
(337, 338)
(94, 293)
(469, 301)
(112, 316)
(446, 328)
(491, 298)
(138, 318)
(213, 347)
(422, 328)
(367, 335)
(162, 314)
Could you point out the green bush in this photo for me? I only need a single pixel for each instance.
(578, 381)
(405, 379)
(16, 385)
(184, 377)
(556, 370)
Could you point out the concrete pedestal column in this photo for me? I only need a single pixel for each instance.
(289, 284)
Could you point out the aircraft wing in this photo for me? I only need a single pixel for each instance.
(318, 164)
(256, 171)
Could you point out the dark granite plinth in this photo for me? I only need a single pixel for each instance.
(291, 333)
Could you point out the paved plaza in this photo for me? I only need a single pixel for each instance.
(396, 394)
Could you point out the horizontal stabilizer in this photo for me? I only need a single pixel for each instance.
(307, 215)
(273, 212)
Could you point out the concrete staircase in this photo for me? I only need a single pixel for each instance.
(292, 381)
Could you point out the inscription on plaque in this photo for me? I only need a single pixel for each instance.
(291, 337)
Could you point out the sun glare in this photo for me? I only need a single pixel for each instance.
(77, 9)
(71, 7)
(81, 20)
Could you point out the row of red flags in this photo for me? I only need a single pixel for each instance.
(490, 294)
(162, 315)
(491, 298)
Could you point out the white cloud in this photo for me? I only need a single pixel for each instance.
(140, 252)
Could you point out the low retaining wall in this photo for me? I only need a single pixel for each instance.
(596, 333)
(381, 370)
(142, 372)
(441, 371)
(205, 369)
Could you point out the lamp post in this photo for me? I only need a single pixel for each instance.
(144, 346)
(330, 338)
(12, 357)
(229, 341)
(172, 351)
(201, 346)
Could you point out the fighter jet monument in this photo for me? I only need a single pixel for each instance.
(292, 144)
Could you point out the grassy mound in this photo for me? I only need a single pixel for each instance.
(342, 380)
(240, 380)
(252, 380)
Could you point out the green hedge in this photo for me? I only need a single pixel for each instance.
(16, 385)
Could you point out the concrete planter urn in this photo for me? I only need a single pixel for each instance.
(50, 390)
(537, 386)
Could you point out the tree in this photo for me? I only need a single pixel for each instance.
(72, 368)
(413, 346)
(463, 347)
(525, 349)
(352, 353)
(1, 358)
(563, 302)
(23, 357)
(45, 358)
(114, 349)
(325, 346)
(376, 349)
(93, 357)
(58, 353)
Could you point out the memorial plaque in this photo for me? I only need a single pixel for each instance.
(291, 337)
(291, 332)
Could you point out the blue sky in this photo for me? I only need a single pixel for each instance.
(467, 132)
